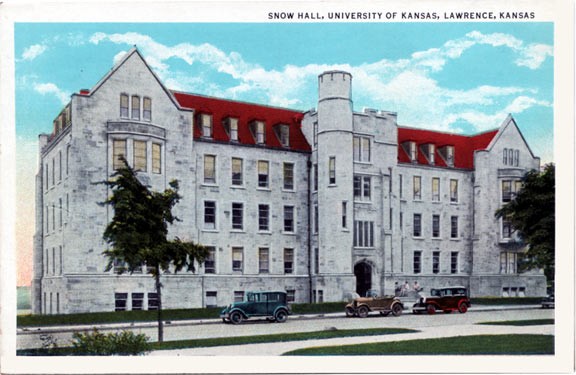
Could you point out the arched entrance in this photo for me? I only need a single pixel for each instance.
(363, 273)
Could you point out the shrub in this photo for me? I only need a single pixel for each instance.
(119, 343)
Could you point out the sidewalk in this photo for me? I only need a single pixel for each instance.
(132, 325)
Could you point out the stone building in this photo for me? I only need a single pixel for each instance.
(320, 204)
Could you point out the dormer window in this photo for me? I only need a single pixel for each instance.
(412, 150)
(259, 131)
(283, 132)
(447, 153)
(430, 151)
(206, 125)
(231, 126)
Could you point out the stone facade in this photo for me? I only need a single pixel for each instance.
(328, 202)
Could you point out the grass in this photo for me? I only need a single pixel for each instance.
(241, 340)
(461, 345)
(532, 322)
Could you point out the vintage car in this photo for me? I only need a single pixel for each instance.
(548, 302)
(362, 306)
(443, 299)
(269, 305)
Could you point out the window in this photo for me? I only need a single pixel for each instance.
(315, 133)
(344, 215)
(118, 152)
(454, 227)
(507, 229)
(315, 168)
(119, 266)
(135, 107)
(510, 189)
(238, 216)
(289, 219)
(120, 300)
(447, 152)
(152, 301)
(237, 259)
(140, 156)
(238, 295)
(430, 153)
(206, 125)
(316, 218)
(137, 301)
(211, 298)
(290, 295)
(332, 170)
(435, 226)
(259, 131)
(60, 213)
(263, 260)
(508, 262)
(288, 176)
(453, 191)
(435, 262)
(209, 169)
(413, 150)
(316, 260)
(284, 135)
(435, 189)
(417, 188)
(210, 261)
(363, 233)
(417, 262)
(59, 166)
(231, 125)
(362, 188)
(124, 106)
(454, 262)
(400, 188)
(237, 178)
(361, 149)
(209, 215)
(263, 217)
(147, 111)
(156, 158)
(288, 260)
(262, 174)
(516, 157)
(417, 230)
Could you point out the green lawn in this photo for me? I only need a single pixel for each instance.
(242, 340)
(462, 345)
(532, 322)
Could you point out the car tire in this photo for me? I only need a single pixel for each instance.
(281, 316)
(462, 307)
(363, 311)
(236, 317)
(397, 310)
(350, 312)
(431, 309)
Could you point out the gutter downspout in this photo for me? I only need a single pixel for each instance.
(309, 168)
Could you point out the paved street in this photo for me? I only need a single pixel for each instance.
(431, 326)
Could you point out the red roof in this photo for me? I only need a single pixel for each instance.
(464, 146)
(221, 109)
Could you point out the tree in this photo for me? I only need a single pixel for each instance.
(138, 232)
(532, 214)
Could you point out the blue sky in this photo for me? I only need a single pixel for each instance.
(458, 77)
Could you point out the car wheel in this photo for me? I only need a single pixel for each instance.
(363, 311)
(385, 313)
(462, 307)
(397, 309)
(281, 316)
(431, 309)
(236, 317)
(349, 312)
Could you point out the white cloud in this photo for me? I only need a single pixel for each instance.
(52, 89)
(33, 51)
(403, 85)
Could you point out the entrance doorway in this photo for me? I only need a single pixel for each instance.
(363, 273)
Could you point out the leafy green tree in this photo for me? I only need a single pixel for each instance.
(138, 232)
(532, 214)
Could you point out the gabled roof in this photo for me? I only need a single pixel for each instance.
(246, 113)
(464, 146)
